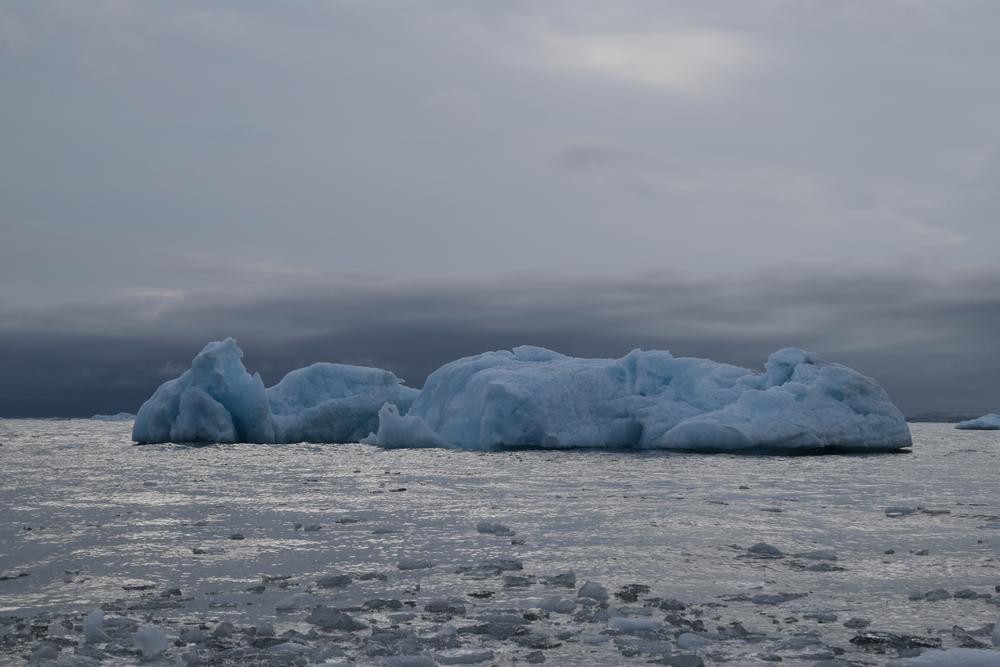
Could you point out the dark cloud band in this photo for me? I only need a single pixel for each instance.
(931, 344)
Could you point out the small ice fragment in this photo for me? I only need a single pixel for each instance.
(462, 656)
(193, 635)
(953, 657)
(333, 581)
(821, 617)
(937, 595)
(43, 652)
(224, 629)
(765, 550)
(494, 528)
(631, 592)
(328, 618)
(289, 648)
(381, 604)
(151, 641)
(567, 579)
(401, 616)
(117, 417)
(289, 603)
(632, 624)
(444, 607)
(93, 627)
(594, 591)
(690, 640)
(899, 510)
(408, 661)
(414, 564)
(557, 604)
(518, 581)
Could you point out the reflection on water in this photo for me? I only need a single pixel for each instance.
(85, 511)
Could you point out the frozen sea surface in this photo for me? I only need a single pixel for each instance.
(91, 520)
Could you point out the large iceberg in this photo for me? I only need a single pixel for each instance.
(990, 422)
(533, 397)
(217, 400)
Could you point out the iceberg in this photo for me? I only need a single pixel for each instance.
(117, 417)
(990, 422)
(534, 397)
(218, 400)
(952, 657)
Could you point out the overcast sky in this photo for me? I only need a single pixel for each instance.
(401, 183)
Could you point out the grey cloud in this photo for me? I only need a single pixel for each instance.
(401, 183)
(447, 140)
(930, 343)
(593, 156)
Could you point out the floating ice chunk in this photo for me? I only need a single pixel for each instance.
(117, 417)
(409, 661)
(217, 400)
(530, 397)
(289, 648)
(328, 618)
(953, 657)
(559, 605)
(899, 510)
(291, 602)
(493, 528)
(445, 606)
(334, 581)
(464, 656)
(594, 591)
(990, 422)
(93, 627)
(633, 624)
(567, 579)
(151, 641)
(414, 564)
(765, 550)
(691, 640)
(43, 652)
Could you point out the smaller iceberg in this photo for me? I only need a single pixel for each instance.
(990, 422)
(117, 417)
(217, 400)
